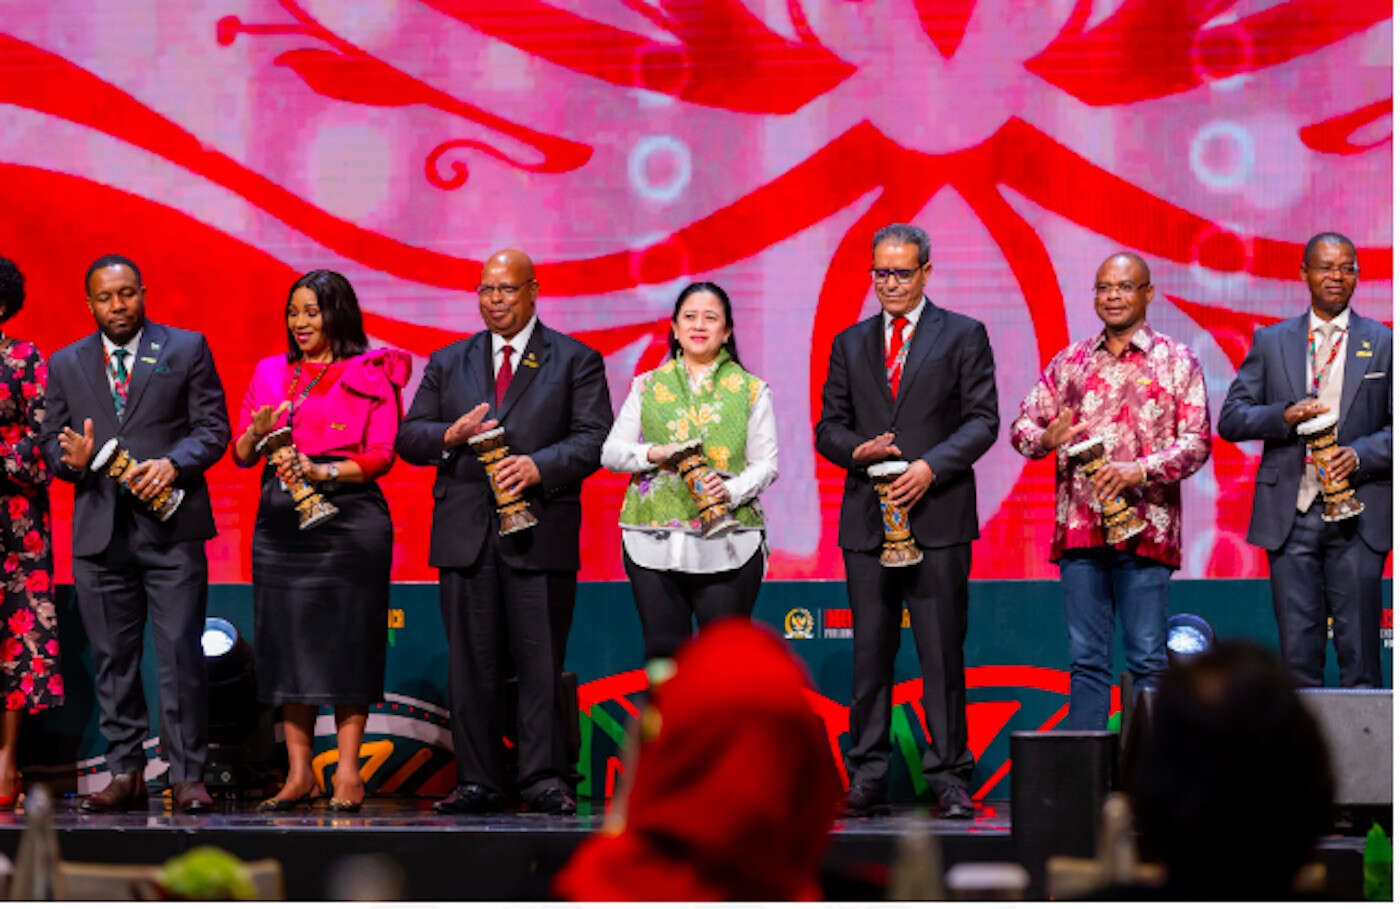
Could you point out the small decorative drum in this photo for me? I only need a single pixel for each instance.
(689, 462)
(899, 548)
(312, 507)
(490, 447)
(1339, 501)
(118, 464)
(1119, 521)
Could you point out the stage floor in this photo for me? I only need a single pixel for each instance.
(457, 857)
(504, 856)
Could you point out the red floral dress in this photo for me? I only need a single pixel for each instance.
(29, 668)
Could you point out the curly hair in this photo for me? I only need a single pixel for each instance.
(11, 289)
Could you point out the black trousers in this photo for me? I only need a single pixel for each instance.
(117, 590)
(666, 600)
(482, 606)
(1326, 568)
(935, 592)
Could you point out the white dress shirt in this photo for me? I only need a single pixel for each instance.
(517, 347)
(131, 347)
(913, 317)
(1330, 391)
(667, 549)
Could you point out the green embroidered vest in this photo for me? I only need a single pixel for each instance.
(717, 413)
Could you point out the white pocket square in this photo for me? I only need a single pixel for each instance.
(1374, 375)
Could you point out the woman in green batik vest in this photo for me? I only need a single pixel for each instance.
(701, 392)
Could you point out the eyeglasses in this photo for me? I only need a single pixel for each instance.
(902, 275)
(1125, 288)
(505, 290)
(1348, 270)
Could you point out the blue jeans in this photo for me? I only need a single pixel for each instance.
(1094, 583)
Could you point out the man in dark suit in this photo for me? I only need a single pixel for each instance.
(915, 382)
(551, 395)
(156, 389)
(1329, 360)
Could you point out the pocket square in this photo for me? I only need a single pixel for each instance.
(1374, 375)
(162, 369)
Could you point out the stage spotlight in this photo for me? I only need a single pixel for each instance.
(1187, 636)
(239, 732)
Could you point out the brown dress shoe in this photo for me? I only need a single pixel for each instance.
(190, 797)
(126, 792)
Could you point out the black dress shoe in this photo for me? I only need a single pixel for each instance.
(865, 800)
(954, 805)
(471, 798)
(551, 801)
(190, 797)
(126, 792)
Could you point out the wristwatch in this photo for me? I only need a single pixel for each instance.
(333, 469)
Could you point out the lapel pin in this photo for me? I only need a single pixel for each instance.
(148, 359)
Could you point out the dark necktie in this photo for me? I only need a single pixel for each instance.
(893, 366)
(504, 374)
(121, 379)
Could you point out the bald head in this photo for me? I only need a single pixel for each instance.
(507, 292)
(1122, 290)
(1131, 259)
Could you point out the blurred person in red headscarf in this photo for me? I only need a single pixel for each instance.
(733, 789)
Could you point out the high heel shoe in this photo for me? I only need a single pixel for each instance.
(8, 800)
(346, 805)
(276, 804)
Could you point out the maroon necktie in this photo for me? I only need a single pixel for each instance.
(504, 374)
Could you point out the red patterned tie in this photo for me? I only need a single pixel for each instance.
(504, 374)
(893, 368)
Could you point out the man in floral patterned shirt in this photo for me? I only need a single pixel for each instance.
(1144, 395)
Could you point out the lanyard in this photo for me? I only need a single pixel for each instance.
(1317, 373)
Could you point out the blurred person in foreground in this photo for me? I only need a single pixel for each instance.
(1235, 785)
(733, 788)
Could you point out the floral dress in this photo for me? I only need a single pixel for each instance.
(29, 668)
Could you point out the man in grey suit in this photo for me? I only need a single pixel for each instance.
(1328, 360)
(154, 388)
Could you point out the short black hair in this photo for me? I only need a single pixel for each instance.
(1327, 236)
(902, 234)
(1231, 740)
(340, 314)
(108, 261)
(11, 289)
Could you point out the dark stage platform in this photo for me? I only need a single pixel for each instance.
(499, 857)
(496, 857)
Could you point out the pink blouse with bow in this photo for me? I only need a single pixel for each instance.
(352, 411)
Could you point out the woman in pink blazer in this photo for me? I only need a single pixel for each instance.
(321, 595)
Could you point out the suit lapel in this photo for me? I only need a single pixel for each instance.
(925, 336)
(148, 357)
(94, 365)
(1295, 355)
(531, 362)
(875, 356)
(476, 369)
(1362, 338)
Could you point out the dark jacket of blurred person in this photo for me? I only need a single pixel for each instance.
(1235, 784)
(734, 787)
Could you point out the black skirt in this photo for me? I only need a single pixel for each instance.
(321, 597)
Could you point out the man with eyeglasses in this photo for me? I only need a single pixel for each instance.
(915, 383)
(550, 394)
(1144, 395)
(1329, 360)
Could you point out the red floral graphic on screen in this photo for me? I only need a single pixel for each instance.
(632, 145)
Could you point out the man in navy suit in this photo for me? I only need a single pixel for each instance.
(1329, 360)
(550, 393)
(914, 382)
(155, 389)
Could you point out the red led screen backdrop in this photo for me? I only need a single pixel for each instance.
(630, 146)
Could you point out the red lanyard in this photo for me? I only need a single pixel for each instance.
(1317, 374)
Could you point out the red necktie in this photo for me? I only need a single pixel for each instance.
(893, 367)
(504, 375)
